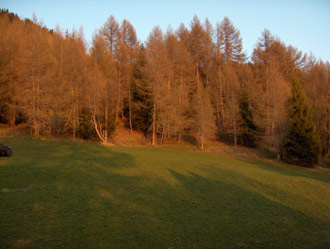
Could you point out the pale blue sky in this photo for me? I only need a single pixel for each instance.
(305, 24)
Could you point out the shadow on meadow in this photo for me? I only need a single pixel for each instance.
(233, 217)
(198, 213)
(79, 199)
(290, 170)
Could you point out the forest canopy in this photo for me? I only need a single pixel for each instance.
(187, 82)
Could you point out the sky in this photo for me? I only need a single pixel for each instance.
(304, 24)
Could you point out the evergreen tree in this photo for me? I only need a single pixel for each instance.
(302, 144)
(141, 94)
(184, 83)
(248, 127)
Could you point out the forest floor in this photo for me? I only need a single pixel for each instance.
(75, 194)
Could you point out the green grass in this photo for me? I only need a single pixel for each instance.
(63, 194)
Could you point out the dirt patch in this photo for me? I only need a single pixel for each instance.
(124, 136)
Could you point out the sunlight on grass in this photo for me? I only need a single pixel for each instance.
(63, 194)
(285, 187)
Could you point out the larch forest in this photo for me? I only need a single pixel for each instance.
(191, 82)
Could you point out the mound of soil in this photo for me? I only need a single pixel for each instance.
(124, 136)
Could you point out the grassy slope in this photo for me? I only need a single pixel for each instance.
(62, 194)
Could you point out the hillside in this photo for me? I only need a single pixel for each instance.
(66, 194)
(193, 81)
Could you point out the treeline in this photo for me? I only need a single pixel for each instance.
(194, 82)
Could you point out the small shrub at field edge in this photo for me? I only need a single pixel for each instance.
(5, 151)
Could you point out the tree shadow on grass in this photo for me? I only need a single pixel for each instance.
(49, 197)
(288, 170)
(126, 212)
(82, 203)
(233, 217)
(200, 212)
(114, 211)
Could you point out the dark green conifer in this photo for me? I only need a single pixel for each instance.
(248, 127)
(141, 94)
(302, 144)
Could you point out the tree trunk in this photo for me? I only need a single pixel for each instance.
(221, 116)
(130, 110)
(200, 102)
(154, 124)
(106, 121)
(268, 120)
(12, 104)
(98, 132)
(38, 107)
(234, 116)
(118, 93)
(275, 123)
(180, 105)
(34, 122)
(74, 121)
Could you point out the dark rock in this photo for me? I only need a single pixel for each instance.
(5, 151)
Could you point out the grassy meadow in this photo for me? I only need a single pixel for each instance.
(65, 194)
